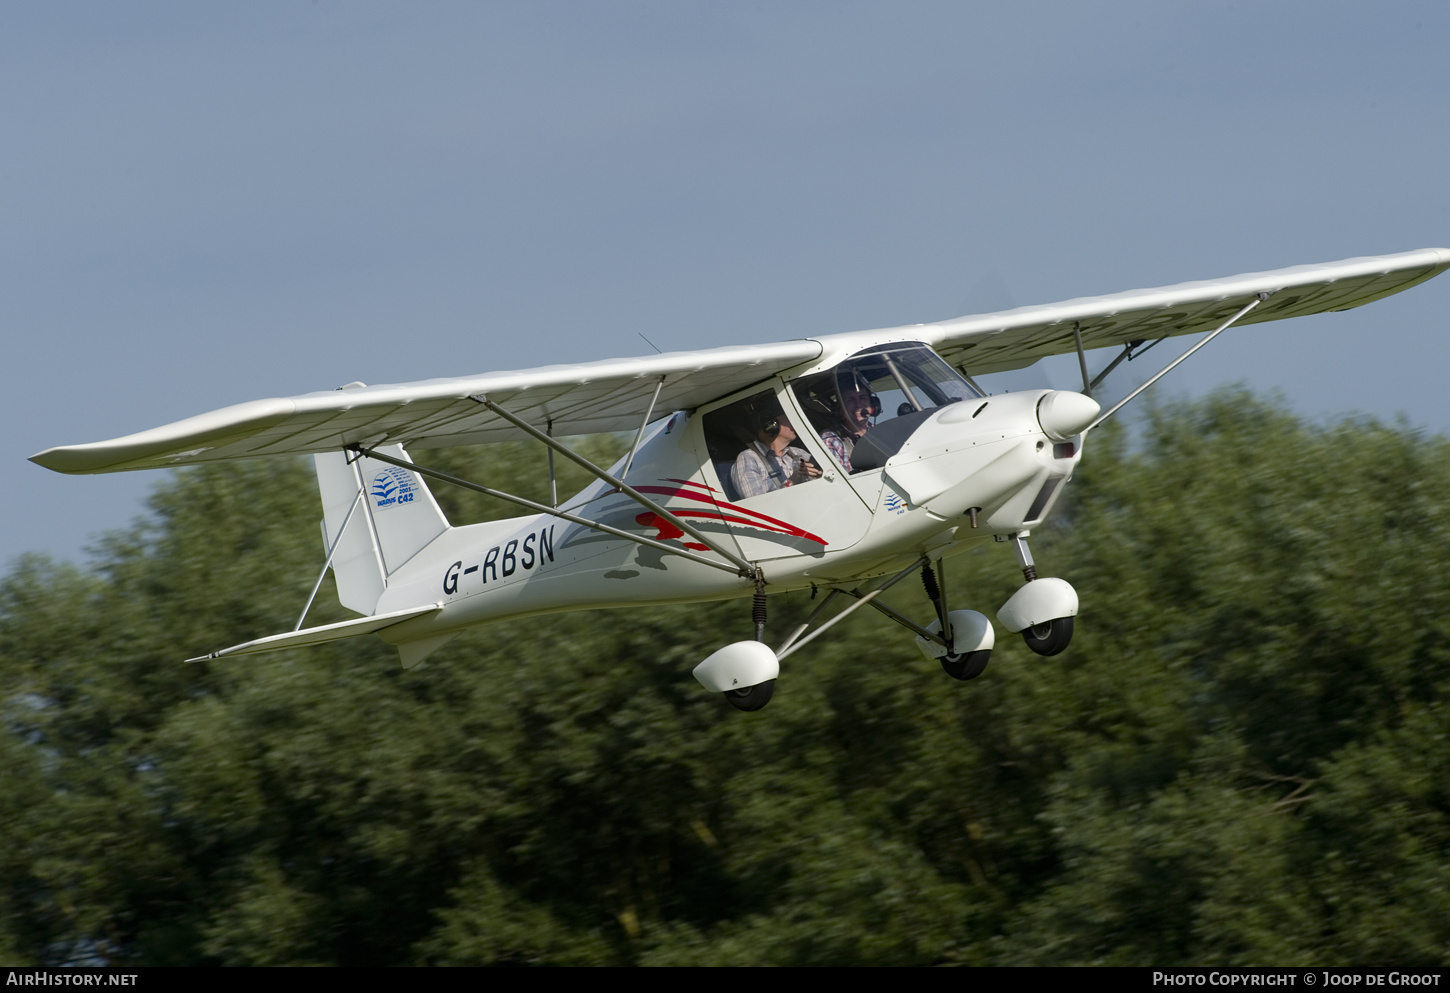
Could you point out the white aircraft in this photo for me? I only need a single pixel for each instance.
(846, 462)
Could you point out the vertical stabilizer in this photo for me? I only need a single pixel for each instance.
(392, 520)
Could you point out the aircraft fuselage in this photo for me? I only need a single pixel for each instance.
(988, 455)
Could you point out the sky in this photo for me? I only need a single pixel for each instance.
(202, 204)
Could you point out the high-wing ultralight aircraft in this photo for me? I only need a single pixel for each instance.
(846, 462)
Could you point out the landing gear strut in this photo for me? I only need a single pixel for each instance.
(959, 665)
(1043, 609)
(752, 698)
(744, 673)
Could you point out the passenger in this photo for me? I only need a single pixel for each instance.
(858, 406)
(771, 461)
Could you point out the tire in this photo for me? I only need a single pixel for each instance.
(968, 665)
(751, 698)
(1049, 637)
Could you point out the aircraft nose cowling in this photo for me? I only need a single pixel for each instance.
(1063, 413)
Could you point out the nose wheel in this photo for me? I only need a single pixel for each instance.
(1043, 609)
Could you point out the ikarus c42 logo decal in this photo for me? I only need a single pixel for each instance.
(392, 487)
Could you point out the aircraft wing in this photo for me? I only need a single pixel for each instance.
(613, 395)
(1012, 339)
(577, 399)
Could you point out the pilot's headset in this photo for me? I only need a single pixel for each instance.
(851, 381)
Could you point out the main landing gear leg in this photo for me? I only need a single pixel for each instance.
(1043, 609)
(744, 672)
(968, 626)
(754, 697)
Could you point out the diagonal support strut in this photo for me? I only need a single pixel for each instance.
(795, 641)
(746, 568)
(1258, 299)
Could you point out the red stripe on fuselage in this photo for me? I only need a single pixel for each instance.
(769, 523)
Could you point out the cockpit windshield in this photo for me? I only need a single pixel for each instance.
(889, 389)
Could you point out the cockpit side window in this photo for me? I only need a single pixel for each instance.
(872, 388)
(755, 448)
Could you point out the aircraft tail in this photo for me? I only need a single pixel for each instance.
(379, 515)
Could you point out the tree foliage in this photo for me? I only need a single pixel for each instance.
(1243, 758)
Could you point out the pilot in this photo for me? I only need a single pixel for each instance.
(853, 418)
(771, 462)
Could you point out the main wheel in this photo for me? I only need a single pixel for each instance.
(1049, 637)
(751, 697)
(968, 665)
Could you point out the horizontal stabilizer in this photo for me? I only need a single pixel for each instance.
(318, 635)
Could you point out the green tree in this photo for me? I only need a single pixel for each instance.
(1241, 759)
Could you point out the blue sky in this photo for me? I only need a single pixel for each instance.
(204, 204)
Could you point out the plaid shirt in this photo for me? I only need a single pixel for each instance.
(759, 470)
(838, 448)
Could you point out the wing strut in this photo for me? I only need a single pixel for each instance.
(748, 571)
(1258, 299)
(1126, 353)
(553, 482)
(746, 568)
(1087, 386)
(629, 460)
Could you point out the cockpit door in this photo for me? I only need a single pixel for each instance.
(778, 490)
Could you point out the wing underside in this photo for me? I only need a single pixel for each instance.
(566, 400)
(1016, 338)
